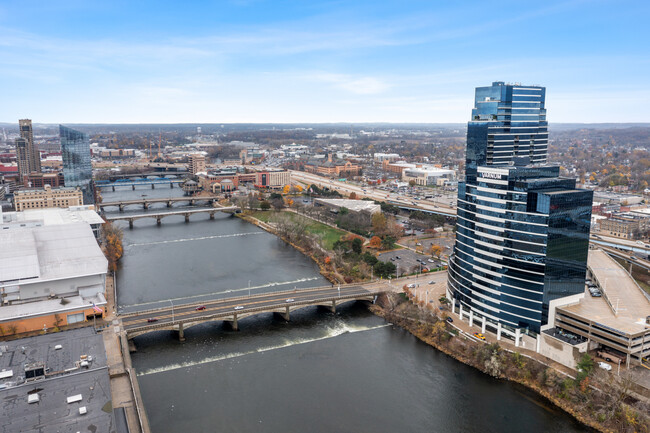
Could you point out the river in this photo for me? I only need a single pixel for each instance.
(321, 372)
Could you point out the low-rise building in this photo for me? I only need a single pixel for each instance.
(47, 197)
(50, 276)
(338, 168)
(427, 175)
(625, 226)
(52, 216)
(335, 205)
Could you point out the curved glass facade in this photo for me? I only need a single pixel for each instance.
(77, 167)
(522, 231)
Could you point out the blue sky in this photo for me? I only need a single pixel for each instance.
(84, 61)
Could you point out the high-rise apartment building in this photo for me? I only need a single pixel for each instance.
(33, 155)
(522, 233)
(77, 166)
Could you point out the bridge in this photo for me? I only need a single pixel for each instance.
(231, 310)
(160, 215)
(114, 176)
(134, 183)
(628, 258)
(145, 202)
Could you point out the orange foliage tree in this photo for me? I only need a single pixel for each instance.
(375, 242)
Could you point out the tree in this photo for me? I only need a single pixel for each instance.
(436, 250)
(344, 211)
(112, 244)
(353, 195)
(357, 245)
(384, 269)
(265, 205)
(375, 242)
(388, 243)
(411, 183)
(379, 223)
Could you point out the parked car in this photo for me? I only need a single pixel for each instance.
(411, 286)
(450, 320)
(432, 282)
(605, 366)
(430, 261)
(479, 336)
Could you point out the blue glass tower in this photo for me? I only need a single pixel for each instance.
(522, 233)
(77, 167)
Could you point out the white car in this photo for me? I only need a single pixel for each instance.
(289, 300)
(605, 366)
(239, 307)
(411, 286)
(430, 261)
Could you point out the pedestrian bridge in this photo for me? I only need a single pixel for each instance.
(180, 317)
(159, 215)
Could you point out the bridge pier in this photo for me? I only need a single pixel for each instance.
(133, 187)
(158, 220)
(153, 186)
(121, 207)
(191, 202)
(181, 332)
(169, 203)
(113, 188)
(145, 205)
(284, 315)
(171, 184)
(187, 217)
(234, 325)
(211, 215)
(130, 223)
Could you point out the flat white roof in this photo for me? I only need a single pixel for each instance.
(353, 205)
(58, 251)
(55, 216)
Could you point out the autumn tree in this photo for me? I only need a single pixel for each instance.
(379, 223)
(353, 195)
(375, 242)
(435, 250)
(112, 244)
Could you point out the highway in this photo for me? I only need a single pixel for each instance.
(373, 193)
(226, 307)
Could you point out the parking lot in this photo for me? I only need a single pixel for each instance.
(407, 261)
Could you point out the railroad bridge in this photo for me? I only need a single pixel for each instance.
(180, 317)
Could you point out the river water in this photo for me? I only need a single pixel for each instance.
(321, 372)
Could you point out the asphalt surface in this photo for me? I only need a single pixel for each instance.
(185, 312)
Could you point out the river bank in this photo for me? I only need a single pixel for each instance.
(580, 397)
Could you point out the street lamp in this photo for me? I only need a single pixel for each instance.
(249, 288)
(172, 304)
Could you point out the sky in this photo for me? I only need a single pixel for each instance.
(125, 61)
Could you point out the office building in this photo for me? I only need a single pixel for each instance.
(522, 231)
(77, 167)
(47, 197)
(33, 155)
(196, 163)
(22, 159)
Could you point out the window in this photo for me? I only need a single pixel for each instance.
(75, 318)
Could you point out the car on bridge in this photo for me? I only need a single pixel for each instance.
(152, 319)
(239, 307)
(479, 336)
(200, 307)
(290, 300)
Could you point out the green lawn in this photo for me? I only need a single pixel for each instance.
(329, 235)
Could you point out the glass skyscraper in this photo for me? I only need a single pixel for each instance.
(77, 167)
(522, 233)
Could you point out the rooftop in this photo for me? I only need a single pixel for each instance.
(45, 253)
(623, 293)
(54, 216)
(52, 412)
(353, 205)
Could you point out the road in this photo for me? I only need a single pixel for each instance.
(184, 312)
(371, 192)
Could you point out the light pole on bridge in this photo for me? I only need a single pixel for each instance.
(249, 288)
(172, 304)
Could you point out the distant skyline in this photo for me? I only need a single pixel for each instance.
(255, 61)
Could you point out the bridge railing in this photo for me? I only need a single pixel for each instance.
(240, 298)
(266, 308)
